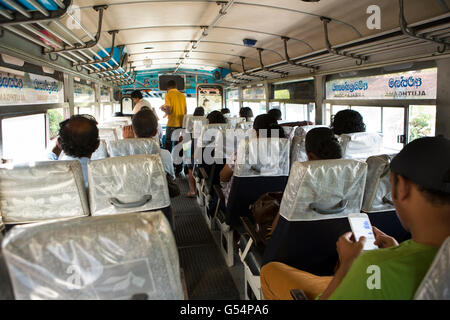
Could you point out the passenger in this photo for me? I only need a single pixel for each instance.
(216, 117)
(246, 113)
(275, 113)
(320, 144)
(144, 125)
(56, 150)
(139, 102)
(199, 112)
(225, 111)
(79, 139)
(175, 109)
(420, 176)
(347, 121)
(264, 125)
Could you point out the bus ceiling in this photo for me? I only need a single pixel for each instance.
(126, 43)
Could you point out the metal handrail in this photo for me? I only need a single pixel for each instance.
(107, 58)
(260, 50)
(289, 61)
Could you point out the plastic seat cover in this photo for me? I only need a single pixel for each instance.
(129, 147)
(361, 145)
(109, 257)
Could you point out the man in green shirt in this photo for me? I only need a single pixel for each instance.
(420, 176)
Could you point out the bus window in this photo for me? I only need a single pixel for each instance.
(257, 107)
(233, 105)
(24, 138)
(127, 106)
(372, 118)
(55, 116)
(191, 104)
(85, 110)
(422, 122)
(106, 112)
(331, 110)
(393, 126)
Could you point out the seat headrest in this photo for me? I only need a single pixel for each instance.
(436, 283)
(101, 152)
(108, 133)
(298, 152)
(233, 121)
(262, 157)
(195, 124)
(207, 135)
(43, 191)
(226, 142)
(127, 184)
(111, 257)
(303, 130)
(333, 187)
(377, 194)
(245, 125)
(129, 147)
(361, 145)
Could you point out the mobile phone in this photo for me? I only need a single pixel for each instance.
(360, 224)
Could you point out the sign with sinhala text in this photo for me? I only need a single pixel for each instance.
(21, 88)
(418, 84)
(83, 93)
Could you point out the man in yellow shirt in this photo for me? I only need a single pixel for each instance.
(175, 109)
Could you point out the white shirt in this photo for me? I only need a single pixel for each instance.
(84, 162)
(142, 103)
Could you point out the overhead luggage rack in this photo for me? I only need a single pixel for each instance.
(29, 21)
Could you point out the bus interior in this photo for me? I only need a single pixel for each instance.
(389, 60)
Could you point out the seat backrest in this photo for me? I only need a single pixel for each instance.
(262, 166)
(109, 257)
(244, 125)
(361, 145)
(377, 194)
(129, 147)
(303, 130)
(298, 152)
(43, 191)
(208, 133)
(233, 121)
(324, 189)
(108, 133)
(127, 184)
(436, 284)
(101, 152)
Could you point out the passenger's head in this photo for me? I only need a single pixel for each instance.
(347, 121)
(275, 113)
(420, 176)
(225, 111)
(199, 112)
(321, 144)
(145, 124)
(79, 136)
(216, 117)
(263, 124)
(246, 113)
(171, 84)
(136, 96)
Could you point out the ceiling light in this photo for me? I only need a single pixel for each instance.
(148, 48)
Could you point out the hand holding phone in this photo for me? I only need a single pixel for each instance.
(360, 224)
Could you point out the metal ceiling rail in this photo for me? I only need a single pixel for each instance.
(244, 72)
(288, 59)
(197, 51)
(107, 58)
(23, 16)
(93, 42)
(411, 33)
(360, 59)
(222, 12)
(261, 64)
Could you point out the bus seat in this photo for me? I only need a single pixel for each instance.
(108, 133)
(262, 166)
(194, 124)
(313, 213)
(129, 147)
(101, 152)
(245, 125)
(6, 290)
(128, 184)
(42, 191)
(361, 145)
(377, 201)
(298, 153)
(233, 121)
(436, 284)
(301, 131)
(105, 257)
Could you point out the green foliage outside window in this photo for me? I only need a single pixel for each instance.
(55, 116)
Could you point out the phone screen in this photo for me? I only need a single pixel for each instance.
(361, 227)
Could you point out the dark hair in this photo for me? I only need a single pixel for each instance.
(171, 84)
(79, 136)
(216, 117)
(434, 197)
(145, 124)
(136, 94)
(322, 142)
(347, 121)
(199, 111)
(263, 121)
(246, 113)
(275, 113)
(225, 110)
(276, 131)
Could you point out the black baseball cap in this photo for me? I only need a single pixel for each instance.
(425, 161)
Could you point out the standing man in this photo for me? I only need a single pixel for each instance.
(175, 108)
